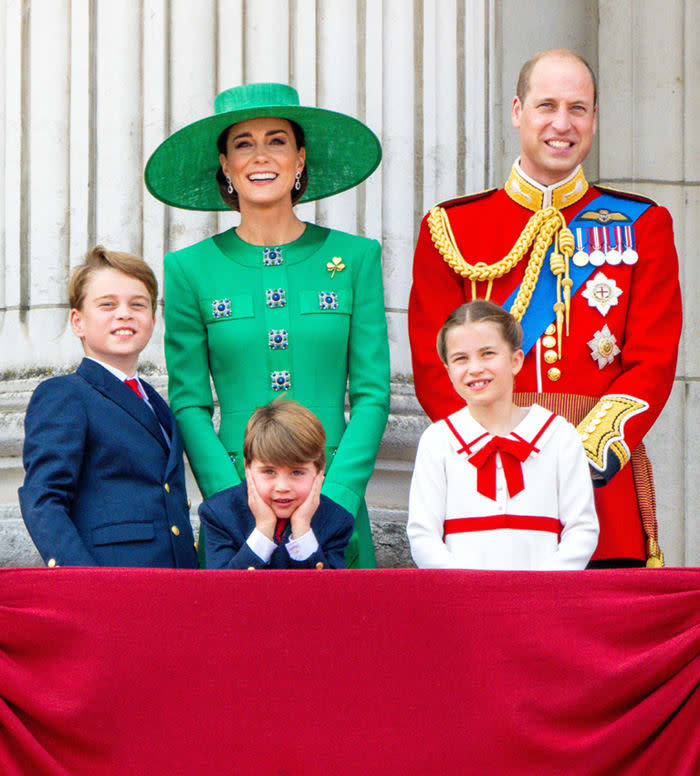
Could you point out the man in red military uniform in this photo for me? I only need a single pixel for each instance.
(591, 273)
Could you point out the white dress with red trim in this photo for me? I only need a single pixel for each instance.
(524, 501)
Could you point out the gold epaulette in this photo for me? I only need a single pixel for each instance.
(603, 429)
(625, 194)
(448, 203)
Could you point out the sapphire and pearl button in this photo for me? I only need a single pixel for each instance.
(221, 308)
(328, 300)
(280, 380)
(275, 297)
(278, 339)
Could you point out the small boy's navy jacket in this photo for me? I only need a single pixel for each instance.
(102, 487)
(228, 522)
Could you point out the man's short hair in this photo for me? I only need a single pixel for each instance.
(99, 258)
(526, 71)
(285, 433)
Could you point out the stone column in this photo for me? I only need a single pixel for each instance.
(648, 126)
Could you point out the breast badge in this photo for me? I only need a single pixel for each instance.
(601, 293)
(604, 216)
(603, 347)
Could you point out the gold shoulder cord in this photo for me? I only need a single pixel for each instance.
(543, 227)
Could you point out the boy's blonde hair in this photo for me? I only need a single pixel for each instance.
(99, 258)
(285, 433)
(474, 312)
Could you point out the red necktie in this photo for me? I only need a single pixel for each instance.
(132, 382)
(279, 528)
(513, 453)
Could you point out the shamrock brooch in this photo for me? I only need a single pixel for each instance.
(335, 265)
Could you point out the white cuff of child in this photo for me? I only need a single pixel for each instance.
(303, 547)
(261, 545)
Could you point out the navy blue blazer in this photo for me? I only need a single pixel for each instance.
(229, 522)
(101, 486)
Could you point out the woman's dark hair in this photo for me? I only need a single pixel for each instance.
(232, 199)
(474, 312)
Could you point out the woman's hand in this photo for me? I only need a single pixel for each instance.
(265, 519)
(301, 518)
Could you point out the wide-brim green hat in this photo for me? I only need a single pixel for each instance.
(340, 150)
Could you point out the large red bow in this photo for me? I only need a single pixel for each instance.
(513, 453)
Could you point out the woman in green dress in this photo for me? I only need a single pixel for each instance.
(276, 305)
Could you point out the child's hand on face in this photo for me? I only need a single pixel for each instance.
(301, 517)
(265, 519)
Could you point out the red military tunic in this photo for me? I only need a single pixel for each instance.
(625, 372)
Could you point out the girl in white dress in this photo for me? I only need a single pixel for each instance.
(495, 485)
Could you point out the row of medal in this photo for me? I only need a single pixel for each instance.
(600, 245)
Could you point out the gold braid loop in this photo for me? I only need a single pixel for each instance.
(543, 227)
(534, 265)
(557, 263)
(444, 241)
(566, 240)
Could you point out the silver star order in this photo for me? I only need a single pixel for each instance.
(603, 347)
(602, 293)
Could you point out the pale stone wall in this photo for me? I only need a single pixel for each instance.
(433, 78)
(648, 129)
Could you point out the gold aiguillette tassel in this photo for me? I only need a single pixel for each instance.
(557, 264)
(559, 310)
(566, 246)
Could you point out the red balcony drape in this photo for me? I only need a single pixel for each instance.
(121, 671)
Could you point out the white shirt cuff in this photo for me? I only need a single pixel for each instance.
(261, 545)
(303, 547)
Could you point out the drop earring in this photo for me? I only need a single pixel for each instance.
(230, 187)
(297, 180)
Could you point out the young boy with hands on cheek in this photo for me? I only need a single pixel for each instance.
(278, 518)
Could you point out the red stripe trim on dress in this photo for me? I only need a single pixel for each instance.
(537, 436)
(494, 522)
(543, 429)
(466, 448)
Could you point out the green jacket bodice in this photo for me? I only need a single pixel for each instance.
(271, 322)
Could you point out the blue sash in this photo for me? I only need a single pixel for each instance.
(539, 313)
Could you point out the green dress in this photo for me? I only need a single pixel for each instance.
(274, 321)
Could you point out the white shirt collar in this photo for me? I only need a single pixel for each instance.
(121, 376)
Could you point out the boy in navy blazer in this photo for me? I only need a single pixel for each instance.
(278, 518)
(104, 475)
